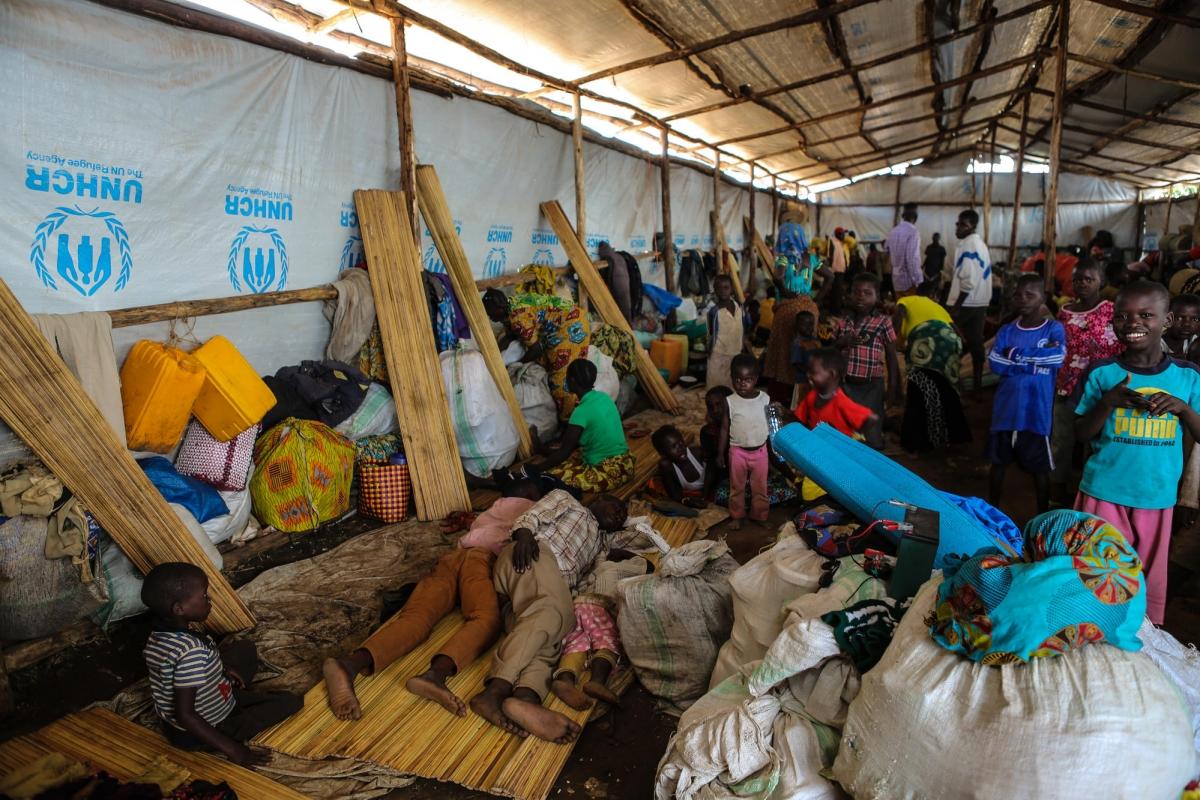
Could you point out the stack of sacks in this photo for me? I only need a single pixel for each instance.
(761, 588)
(770, 730)
(1037, 658)
(864, 480)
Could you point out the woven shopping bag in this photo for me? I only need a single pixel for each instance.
(225, 465)
(384, 490)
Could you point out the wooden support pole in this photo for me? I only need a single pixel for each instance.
(432, 200)
(1016, 207)
(668, 245)
(988, 181)
(1050, 232)
(748, 249)
(408, 157)
(715, 217)
(725, 260)
(774, 209)
(896, 203)
(1196, 219)
(580, 193)
(1167, 221)
(164, 312)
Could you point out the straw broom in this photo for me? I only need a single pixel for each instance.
(648, 374)
(432, 201)
(45, 405)
(413, 366)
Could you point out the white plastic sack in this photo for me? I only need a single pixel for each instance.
(626, 392)
(686, 311)
(1180, 663)
(1095, 722)
(673, 622)
(533, 395)
(225, 527)
(761, 588)
(607, 379)
(376, 415)
(125, 581)
(483, 425)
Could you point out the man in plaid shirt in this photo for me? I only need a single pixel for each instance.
(555, 543)
(868, 339)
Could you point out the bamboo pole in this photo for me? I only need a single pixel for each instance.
(432, 200)
(414, 369)
(580, 193)
(988, 181)
(164, 312)
(1056, 130)
(749, 249)
(715, 217)
(668, 245)
(46, 407)
(648, 375)
(408, 158)
(774, 208)
(1016, 220)
(1167, 221)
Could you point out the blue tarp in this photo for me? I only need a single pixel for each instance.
(864, 480)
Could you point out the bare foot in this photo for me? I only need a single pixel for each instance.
(601, 692)
(541, 721)
(569, 693)
(340, 687)
(428, 686)
(487, 705)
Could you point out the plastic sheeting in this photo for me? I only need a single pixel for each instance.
(146, 163)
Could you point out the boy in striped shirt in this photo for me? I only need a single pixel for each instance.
(199, 692)
(1026, 355)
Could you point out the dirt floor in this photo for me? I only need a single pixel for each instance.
(617, 756)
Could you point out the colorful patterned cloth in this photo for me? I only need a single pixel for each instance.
(560, 327)
(541, 280)
(1078, 582)
(609, 474)
(933, 414)
(594, 629)
(1090, 338)
(618, 345)
(371, 360)
(777, 364)
(934, 345)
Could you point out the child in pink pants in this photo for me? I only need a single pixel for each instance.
(744, 442)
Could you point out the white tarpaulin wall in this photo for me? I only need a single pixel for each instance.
(144, 163)
(868, 208)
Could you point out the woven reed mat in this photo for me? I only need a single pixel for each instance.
(405, 733)
(124, 750)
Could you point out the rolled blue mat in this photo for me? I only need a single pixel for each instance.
(864, 480)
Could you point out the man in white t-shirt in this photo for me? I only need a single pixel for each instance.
(971, 289)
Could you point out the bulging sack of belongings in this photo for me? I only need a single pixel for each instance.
(159, 387)
(673, 621)
(483, 426)
(39, 596)
(1094, 722)
(761, 588)
(607, 379)
(1077, 582)
(302, 475)
(374, 417)
(532, 388)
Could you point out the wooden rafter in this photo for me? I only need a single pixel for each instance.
(1151, 12)
(1135, 73)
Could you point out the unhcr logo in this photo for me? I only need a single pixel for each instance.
(498, 237)
(352, 253)
(259, 257)
(542, 257)
(82, 246)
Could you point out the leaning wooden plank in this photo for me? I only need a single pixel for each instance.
(45, 405)
(413, 367)
(725, 260)
(648, 374)
(765, 260)
(432, 201)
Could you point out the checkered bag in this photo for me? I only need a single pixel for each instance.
(384, 490)
(225, 465)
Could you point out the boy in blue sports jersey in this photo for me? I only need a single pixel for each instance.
(199, 692)
(1026, 355)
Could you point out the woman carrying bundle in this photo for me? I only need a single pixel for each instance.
(933, 413)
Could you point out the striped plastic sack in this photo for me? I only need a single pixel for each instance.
(302, 475)
(384, 490)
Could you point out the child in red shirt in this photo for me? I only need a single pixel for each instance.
(827, 402)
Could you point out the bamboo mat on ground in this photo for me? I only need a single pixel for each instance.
(404, 732)
(124, 750)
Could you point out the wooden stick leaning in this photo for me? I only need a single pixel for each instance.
(408, 345)
(648, 374)
(725, 259)
(759, 248)
(432, 200)
(45, 405)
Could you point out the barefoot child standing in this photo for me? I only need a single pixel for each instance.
(743, 444)
(1134, 409)
(728, 331)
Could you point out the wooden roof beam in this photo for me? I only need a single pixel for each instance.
(900, 98)
(1134, 73)
(811, 17)
(1151, 12)
(1153, 116)
(1082, 150)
